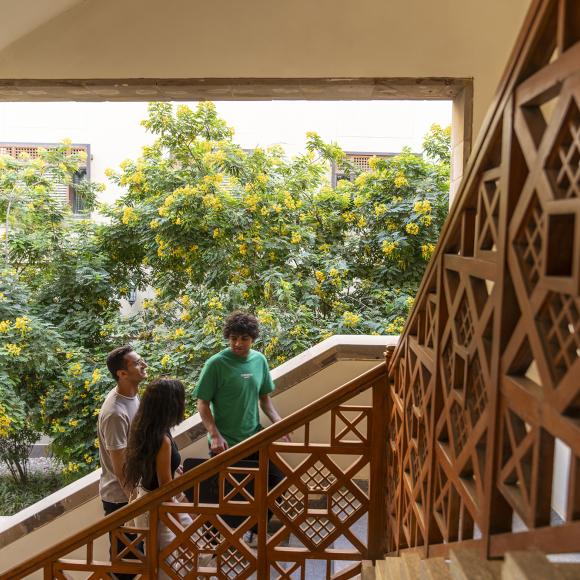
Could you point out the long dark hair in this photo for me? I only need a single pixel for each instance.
(162, 407)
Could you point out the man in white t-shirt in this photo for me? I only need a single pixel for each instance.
(118, 409)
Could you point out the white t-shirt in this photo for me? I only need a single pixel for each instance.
(113, 425)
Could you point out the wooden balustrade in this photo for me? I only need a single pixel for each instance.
(460, 444)
(327, 488)
(484, 381)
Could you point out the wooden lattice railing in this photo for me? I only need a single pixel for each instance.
(485, 380)
(330, 503)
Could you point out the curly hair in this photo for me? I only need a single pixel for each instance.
(162, 407)
(239, 322)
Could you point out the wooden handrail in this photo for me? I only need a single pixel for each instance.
(207, 469)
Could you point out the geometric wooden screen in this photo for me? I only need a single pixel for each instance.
(486, 378)
(322, 501)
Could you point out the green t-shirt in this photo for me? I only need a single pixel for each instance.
(233, 385)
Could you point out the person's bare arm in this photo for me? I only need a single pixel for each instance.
(218, 443)
(163, 462)
(118, 460)
(270, 411)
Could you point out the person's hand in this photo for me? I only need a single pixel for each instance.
(286, 438)
(218, 444)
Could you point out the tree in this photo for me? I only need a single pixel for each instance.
(54, 298)
(213, 227)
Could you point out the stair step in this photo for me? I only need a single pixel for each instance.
(568, 571)
(410, 565)
(388, 569)
(469, 565)
(434, 569)
(531, 565)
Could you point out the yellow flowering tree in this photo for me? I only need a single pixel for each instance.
(214, 227)
(57, 292)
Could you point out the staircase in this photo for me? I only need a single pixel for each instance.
(465, 564)
(460, 443)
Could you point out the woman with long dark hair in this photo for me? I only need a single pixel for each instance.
(152, 457)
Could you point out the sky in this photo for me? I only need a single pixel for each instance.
(114, 133)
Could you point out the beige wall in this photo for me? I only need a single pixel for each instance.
(287, 402)
(116, 39)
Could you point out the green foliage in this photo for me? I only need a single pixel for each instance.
(17, 496)
(55, 295)
(207, 223)
(15, 449)
(210, 227)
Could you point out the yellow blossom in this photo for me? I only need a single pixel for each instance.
(348, 217)
(166, 360)
(154, 224)
(426, 220)
(75, 370)
(271, 346)
(185, 316)
(362, 222)
(380, 209)
(73, 422)
(96, 376)
(22, 323)
(427, 251)
(179, 333)
(5, 326)
(324, 248)
(388, 247)
(350, 319)
(129, 216)
(277, 207)
(319, 275)
(243, 249)
(265, 316)
(422, 206)
(216, 233)
(401, 180)
(87, 458)
(412, 228)
(3, 297)
(215, 304)
(13, 349)
(5, 422)
(296, 238)
(267, 290)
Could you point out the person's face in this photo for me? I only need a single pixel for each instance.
(240, 343)
(135, 369)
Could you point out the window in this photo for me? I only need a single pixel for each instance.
(63, 192)
(360, 160)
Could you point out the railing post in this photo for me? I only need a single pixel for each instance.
(261, 502)
(377, 528)
(152, 549)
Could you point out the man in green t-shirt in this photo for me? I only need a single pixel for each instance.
(233, 383)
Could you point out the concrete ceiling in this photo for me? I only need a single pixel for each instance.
(19, 17)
